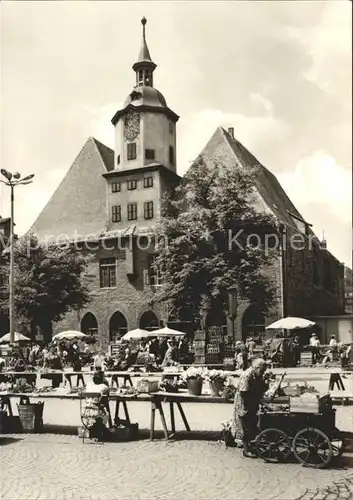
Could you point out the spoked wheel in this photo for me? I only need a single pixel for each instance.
(337, 443)
(312, 448)
(273, 445)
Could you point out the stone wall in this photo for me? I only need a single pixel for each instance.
(132, 296)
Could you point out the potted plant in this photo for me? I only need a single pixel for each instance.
(216, 379)
(194, 378)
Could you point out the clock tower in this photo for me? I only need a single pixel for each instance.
(145, 132)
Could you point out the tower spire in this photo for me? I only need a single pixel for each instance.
(144, 66)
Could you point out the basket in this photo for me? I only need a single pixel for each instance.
(147, 386)
(31, 415)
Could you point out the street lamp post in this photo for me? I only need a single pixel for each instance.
(232, 306)
(13, 180)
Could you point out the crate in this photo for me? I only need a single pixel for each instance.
(306, 358)
(213, 359)
(146, 386)
(200, 335)
(127, 432)
(309, 404)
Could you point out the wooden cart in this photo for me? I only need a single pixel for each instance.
(312, 438)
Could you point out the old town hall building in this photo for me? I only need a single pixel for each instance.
(120, 202)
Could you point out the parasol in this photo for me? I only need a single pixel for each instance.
(18, 337)
(290, 323)
(166, 332)
(69, 335)
(136, 334)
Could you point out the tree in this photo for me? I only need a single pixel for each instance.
(48, 282)
(211, 237)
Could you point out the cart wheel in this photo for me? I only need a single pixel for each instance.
(312, 448)
(273, 445)
(337, 443)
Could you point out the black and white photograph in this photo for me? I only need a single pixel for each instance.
(176, 284)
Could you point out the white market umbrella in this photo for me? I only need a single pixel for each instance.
(70, 335)
(166, 332)
(290, 323)
(18, 337)
(136, 334)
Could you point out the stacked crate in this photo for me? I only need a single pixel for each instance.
(215, 347)
(199, 347)
(229, 353)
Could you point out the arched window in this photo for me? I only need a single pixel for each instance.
(149, 321)
(117, 326)
(89, 324)
(253, 323)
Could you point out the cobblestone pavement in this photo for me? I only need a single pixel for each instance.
(61, 467)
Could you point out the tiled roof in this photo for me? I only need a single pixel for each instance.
(78, 206)
(224, 147)
(106, 153)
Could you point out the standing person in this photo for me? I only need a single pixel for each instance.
(52, 361)
(171, 355)
(315, 348)
(251, 344)
(251, 389)
(296, 350)
(163, 347)
(241, 356)
(99, 362)
(333, 348)
(77, 367)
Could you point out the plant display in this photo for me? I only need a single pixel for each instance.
(194, 373)
(170, 385)
(216, 376)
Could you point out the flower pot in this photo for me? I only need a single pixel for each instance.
(195, 386)
(215, 387)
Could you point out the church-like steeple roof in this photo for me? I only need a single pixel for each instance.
(144, 57)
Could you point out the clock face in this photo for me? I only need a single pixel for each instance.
(132, 125)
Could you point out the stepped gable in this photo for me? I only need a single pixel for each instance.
(78, 206)
(271, 196)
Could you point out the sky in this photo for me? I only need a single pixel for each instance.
(278, 72)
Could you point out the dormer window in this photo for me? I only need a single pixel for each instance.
(135, 96)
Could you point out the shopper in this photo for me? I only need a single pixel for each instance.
(251, 389)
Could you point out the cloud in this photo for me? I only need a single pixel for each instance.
(100, 121)
(319, 179)
(321, 189)
(254, 132)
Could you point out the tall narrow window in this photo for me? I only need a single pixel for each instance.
(171, 128)
(131, 185)
(171, 155)
(148, 182)
(132, 211)
(116, 213)
(131, 151)
(148, 210)
(116, 187)
(107, 273)
(118, 160)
